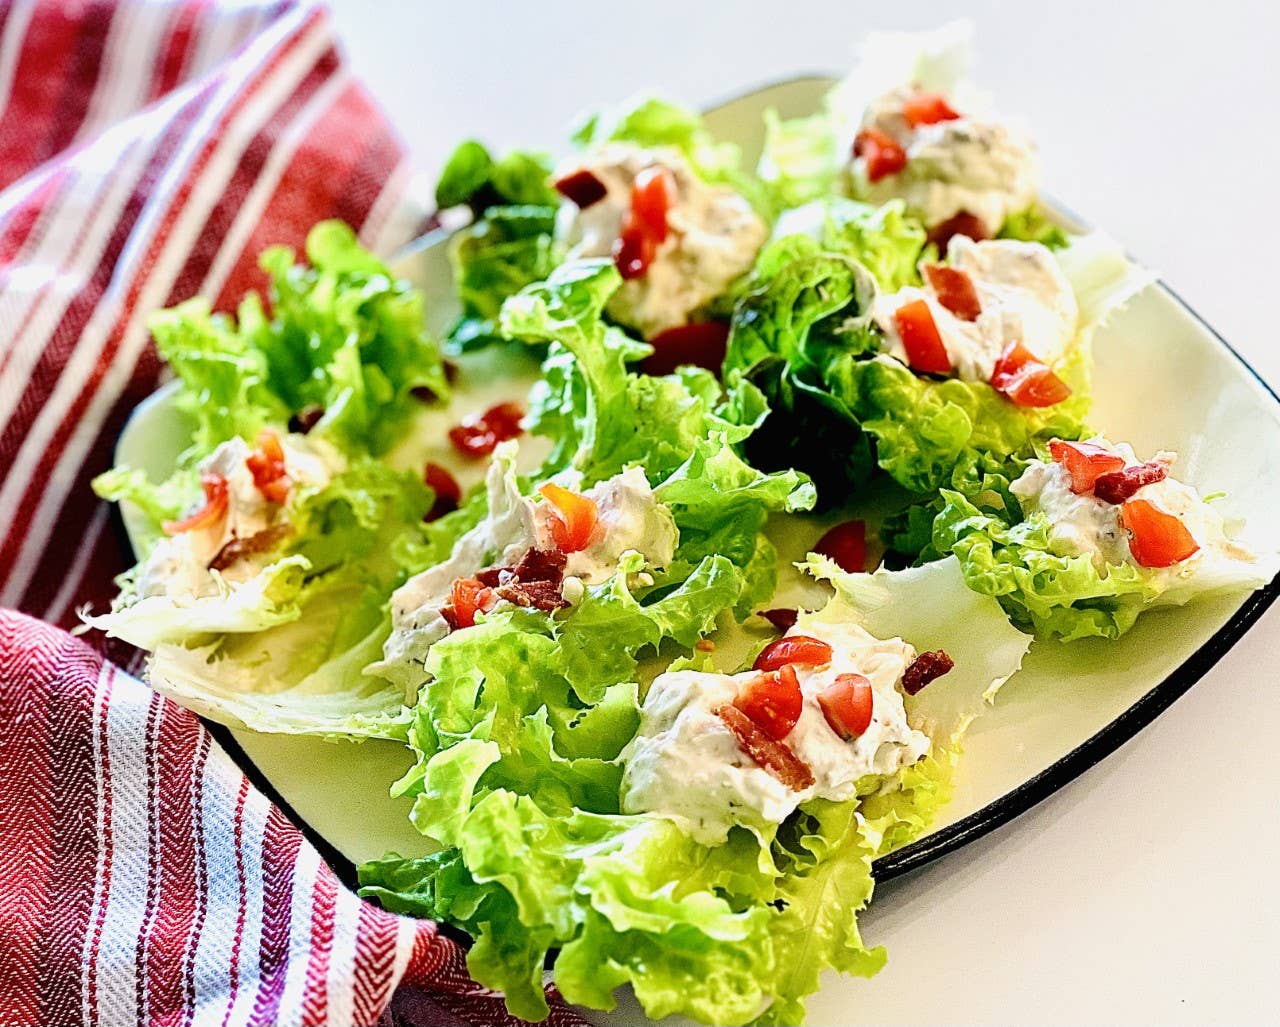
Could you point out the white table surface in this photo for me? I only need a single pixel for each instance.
(1147, 890)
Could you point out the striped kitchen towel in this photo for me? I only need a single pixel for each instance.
(148, 152)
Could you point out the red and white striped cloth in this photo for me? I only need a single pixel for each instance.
(148, 152)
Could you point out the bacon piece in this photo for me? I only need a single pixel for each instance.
(538, 595)
(307, 418)
(581, 188)
(925, 668)
(780, 618)
(955, 291)
(1117, 486)
(258, 542)
(775, 757)
(962, 223)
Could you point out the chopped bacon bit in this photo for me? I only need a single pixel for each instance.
(538, 595)
(702, 344)
(448, 493)
(574, 520)
(955, 291)
(536, 565)
(920, 338)
(773, 701)
(847, 704)
(644, 229)
(479, 434)
(259, 542)
(705, 645)
(881, 152)
(266, 464)
(1117, 486)
(1085, 462)
(307, 418)
(927, 109)
(581, 188)
(846, 544)
(1023, 378)
(963, 223)
(428, 395)
(541, 565)
(925, 668)
(782, 619)
(774, 756)
(1156, 538)
(216, 498)
(467, 598)
(801, 649)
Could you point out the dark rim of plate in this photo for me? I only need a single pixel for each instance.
(1008, 806)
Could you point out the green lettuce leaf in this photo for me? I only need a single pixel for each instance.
(343, 335)
(287, 649)
(1069, 597)
(496, 257)
(471, 176)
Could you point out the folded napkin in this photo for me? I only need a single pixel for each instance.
(148, 152)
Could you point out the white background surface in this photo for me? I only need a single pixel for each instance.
(1146, 891)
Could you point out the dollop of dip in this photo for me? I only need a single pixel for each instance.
(686, 764)
(1023, 296)
(968, 164)
(713, 235)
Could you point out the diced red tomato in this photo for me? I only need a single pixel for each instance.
(653, 194)
(962, 223)
(581, 188)
(955, 290)
(645, 227)
(702, 344)
(881, 152)
(771, 754)
(1120, 485)
(799, 649)
(575, 518)
(847, 703)
(266, 464)
(1023, 378)
(1085, 462)
(467, 598)
(773, 702)
(445, 486)
(846, 544)
(927, 109)
(479, 434)
(920, 338)
(1156, 538)
(216, 497)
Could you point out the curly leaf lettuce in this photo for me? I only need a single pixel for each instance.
(287, 648)
(1070, 597)
(342, 335)
(518, 774)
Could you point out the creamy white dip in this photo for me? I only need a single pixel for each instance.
(178, 566)
(1084, 525)
(978, 165)
(630, 519)
(713, 235)
(684, 763)
(1024, 296)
